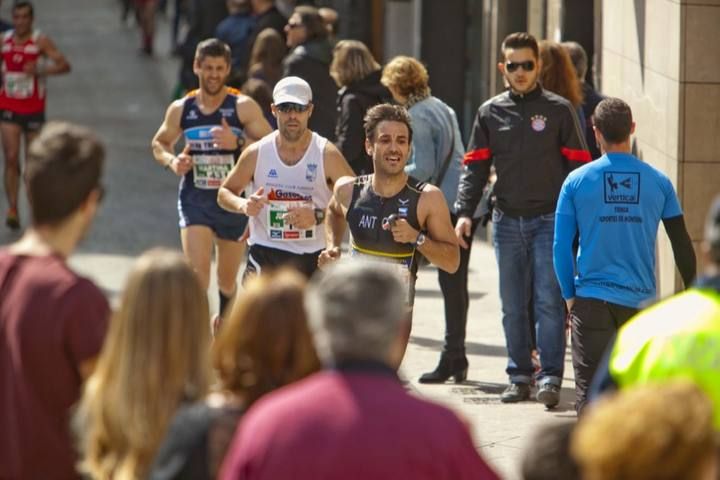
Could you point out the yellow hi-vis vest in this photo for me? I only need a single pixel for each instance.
(677, 338)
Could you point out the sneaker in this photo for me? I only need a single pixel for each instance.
(13, 220)
(515, 392)
(549, 395)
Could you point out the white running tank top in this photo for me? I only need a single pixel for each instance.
(285, 186)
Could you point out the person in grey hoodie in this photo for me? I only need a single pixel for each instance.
(310, 60)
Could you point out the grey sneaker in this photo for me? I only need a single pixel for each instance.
(549, 395)
(515, 392)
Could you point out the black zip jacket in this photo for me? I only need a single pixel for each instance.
(534, 141)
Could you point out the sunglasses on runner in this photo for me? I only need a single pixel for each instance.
(292, 107)
(528, 66)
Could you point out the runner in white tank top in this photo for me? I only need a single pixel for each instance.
(292, 173)
(286, 187)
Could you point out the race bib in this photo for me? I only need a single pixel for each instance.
(279, 229)
(210, 170)
(18, 85)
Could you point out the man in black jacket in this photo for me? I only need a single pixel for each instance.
(310, 60)
(533, 138)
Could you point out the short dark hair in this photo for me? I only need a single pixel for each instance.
(520, 40)
(212, 47)
(386, 112)
(64, 164)
(24, 4)
(312, 21)
(613, 118)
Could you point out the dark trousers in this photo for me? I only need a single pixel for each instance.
(594, 325)
(454, 288)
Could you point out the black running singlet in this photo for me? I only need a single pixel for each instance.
(367, 214)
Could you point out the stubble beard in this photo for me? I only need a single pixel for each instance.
(529, 85)
(291, 136)
(385, 171)
(207, 91)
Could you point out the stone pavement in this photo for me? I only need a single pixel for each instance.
(123, 96)
(500, 429)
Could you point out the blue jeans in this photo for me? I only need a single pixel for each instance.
(523, 247)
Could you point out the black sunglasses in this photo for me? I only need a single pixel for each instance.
(528, 66)
(292, 107)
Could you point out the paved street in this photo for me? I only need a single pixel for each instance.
(123, 97)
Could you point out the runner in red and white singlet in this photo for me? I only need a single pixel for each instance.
(22, 93)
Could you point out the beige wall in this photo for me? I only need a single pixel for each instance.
(700, 110)
(674, 91)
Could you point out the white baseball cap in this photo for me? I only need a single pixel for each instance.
(292, 90)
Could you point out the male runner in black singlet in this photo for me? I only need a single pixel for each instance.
(217, 122)
(392, 217)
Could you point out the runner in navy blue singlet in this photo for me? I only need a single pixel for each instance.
(216, 122)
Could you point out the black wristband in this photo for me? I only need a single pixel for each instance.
(319, 216)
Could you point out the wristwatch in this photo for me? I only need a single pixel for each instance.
(240, 141)
(420, 240)
(319, 216)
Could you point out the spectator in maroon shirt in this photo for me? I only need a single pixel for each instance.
(52, 321)
(354, 420)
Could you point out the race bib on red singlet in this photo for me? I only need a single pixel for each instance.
(18, 85)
